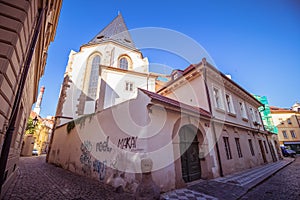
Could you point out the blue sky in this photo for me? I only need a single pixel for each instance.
(257, 42)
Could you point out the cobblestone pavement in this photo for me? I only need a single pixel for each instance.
(285, 184)
(230, 187)
(39, 180)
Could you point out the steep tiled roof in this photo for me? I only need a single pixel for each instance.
(116, 31)
(175, 103)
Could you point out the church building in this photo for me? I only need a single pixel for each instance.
(106, 71)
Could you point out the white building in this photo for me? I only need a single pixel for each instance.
(105, 72)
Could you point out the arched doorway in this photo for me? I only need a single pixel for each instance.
(189, 151)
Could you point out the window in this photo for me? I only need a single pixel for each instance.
(293, 134)
(93, 82)
(252, 114)
(257, 116)
(289, 121)
(227, 148)
(129, 86)
(123, 63)
(238, 147)
(229, 103)
(266, 147)
(243, 110)
(251, 147)
(284, 134)
(218, 99)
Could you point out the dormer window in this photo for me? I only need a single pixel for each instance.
(100, 37)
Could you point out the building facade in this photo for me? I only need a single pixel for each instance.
(288, 123)
(27, 28)
(106, 71)
(240, 138)
(200, 125)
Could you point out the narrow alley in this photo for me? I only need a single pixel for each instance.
(40, 180)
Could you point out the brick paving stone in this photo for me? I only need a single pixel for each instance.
(37, 179)
(231, 187)
(285, 184)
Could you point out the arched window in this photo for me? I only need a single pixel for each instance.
(94, 75)
(123, 63)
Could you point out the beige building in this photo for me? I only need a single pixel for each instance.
(240, 139)
(288, 123)
(27, 28)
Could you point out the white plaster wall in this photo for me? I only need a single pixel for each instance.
(116, 82)
(192, 93)
(110, 53)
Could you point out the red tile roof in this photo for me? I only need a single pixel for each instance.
(189, 68)
(276, 109)
(176, 104)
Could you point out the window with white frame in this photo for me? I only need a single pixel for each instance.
(293, 134)
(128, 86)
(218, 98)
(229, 104)
(243, 110)
(252, 114)
(257, 116)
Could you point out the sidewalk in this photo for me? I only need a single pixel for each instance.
(230, 187)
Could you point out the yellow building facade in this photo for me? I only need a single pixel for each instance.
(288, 123)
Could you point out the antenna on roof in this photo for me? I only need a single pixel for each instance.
(119, 12)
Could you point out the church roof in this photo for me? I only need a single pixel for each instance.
(115, 31)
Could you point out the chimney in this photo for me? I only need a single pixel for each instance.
(37, 108)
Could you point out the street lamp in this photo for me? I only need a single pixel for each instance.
(257, 125)
(34, 121)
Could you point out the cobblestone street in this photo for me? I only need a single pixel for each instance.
(39, 180)
(285, 184)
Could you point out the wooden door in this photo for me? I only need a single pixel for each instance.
(189, 149)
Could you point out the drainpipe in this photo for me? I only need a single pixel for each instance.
(213, 123)
(17, 102)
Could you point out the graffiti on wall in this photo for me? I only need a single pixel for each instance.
(87, 161)
(85, 157)
(103, 146)
(100, 168)
(127, 143)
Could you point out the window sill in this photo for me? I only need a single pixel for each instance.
(245, 119)
(231, 114)
(220, 110)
